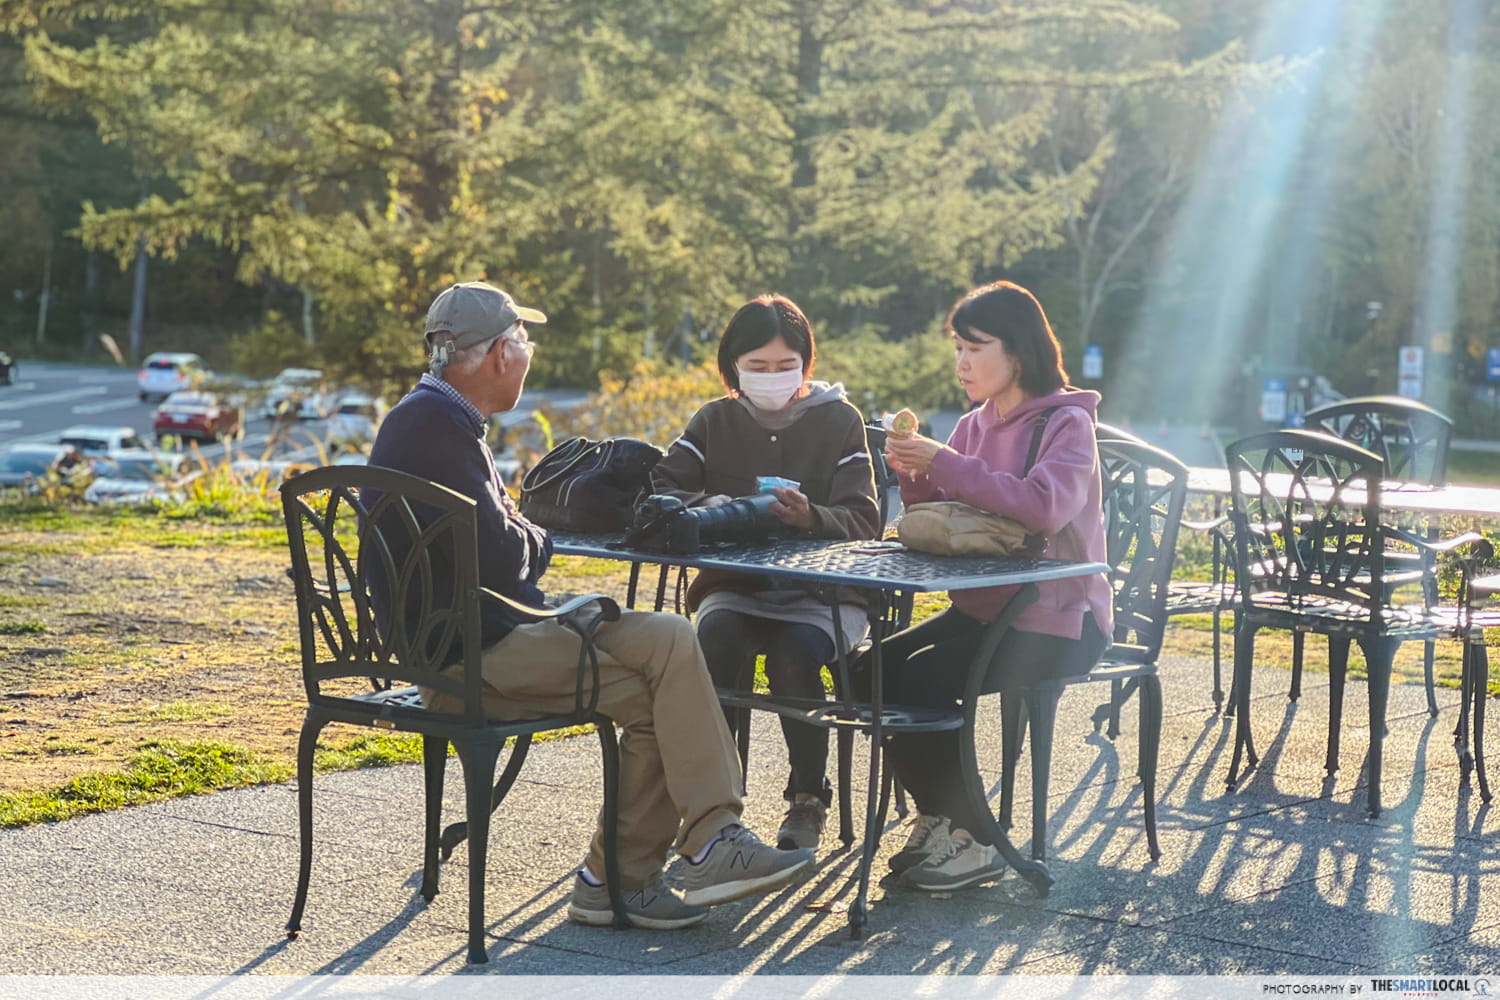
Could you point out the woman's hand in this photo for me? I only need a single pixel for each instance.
(912, 456)
(793, 508)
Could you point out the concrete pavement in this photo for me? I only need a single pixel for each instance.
(1282, 875)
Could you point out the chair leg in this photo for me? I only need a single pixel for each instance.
(1012, 730)
(457, 833)
(609, 746)
(1239, 688)
(1150, 750)
(1481, 670)
(742, 740)
(1218, 670)
(1338, 675)
(902, 809)
(1461, 731)
(1298, 642)
(306, 744)
(434, 764)
(478, 759)
(1041, 704)
(1429, 652)
(1379, 654)
(844, 739)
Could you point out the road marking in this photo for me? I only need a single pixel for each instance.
(22, 386)
(112, 404)
(53, 397)
(9, 425)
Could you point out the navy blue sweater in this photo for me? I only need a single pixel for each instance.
(430, 435)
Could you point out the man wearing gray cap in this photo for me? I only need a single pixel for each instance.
(679, 770)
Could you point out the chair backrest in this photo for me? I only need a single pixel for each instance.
(885, 477)
(386, 569)
(1109, 432)
(1306, 513)
(1410, 437)
(1144, 489)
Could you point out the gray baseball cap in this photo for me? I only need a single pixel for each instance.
(473, 312)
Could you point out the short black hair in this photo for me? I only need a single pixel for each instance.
(756, 324)
(1012, 315)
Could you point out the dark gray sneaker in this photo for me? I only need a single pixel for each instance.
(802, 827)
(655, 907)
(740, 864)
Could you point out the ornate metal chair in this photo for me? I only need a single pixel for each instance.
(1412, 439)
(1212, 597)
(386, 568)
(1314, 554)
(1144, 489)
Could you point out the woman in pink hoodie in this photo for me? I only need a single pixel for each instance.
(1026, 450)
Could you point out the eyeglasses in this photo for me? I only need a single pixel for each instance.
(516, 334)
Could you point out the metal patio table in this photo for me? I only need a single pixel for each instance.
(889, 572)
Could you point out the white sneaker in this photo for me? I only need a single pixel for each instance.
(964, 862)
(928, 834)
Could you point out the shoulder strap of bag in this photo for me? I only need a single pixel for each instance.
(557, 463)
(1038, 425)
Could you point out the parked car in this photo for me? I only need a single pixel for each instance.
(297, 393)
(355, 418)
(128, 477)
(29, 465)
(163, 373)
(9, 369)
(96, 442)
(193, 413)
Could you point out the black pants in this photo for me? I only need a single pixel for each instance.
(927, 665)
(795, 655)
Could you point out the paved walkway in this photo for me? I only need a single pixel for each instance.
(1283, 875)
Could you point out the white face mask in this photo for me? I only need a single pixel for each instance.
(770, 390)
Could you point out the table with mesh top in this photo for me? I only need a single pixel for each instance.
(890, 573)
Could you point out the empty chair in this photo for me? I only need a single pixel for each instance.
(365, 543)
(1314, 554)
(1412, 440)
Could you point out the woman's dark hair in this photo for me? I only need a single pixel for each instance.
(756, 324)
(1012, 315)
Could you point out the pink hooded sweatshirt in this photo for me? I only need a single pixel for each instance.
(1062, 490)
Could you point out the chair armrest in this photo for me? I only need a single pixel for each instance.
(586, 686)
(608, 608)
(1433, 547)
(1210, 525)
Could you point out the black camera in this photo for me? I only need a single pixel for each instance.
(666, 524)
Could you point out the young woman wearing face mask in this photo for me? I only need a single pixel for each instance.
(776, 421)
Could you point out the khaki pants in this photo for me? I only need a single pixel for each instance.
(679, 769)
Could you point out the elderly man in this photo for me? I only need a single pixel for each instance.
(679, 772)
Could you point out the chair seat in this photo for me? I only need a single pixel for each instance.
(1330, 615)
(837, 714)
(1186, 597)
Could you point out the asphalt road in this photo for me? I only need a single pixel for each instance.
(47, 398)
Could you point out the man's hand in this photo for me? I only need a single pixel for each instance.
(717, 500)
(793, 508)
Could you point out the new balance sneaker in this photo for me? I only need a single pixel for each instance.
(655, 907)
(803, 826)
(928, 834)
(963, 862)
(740, 864)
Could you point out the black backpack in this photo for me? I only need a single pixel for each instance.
(588, 486)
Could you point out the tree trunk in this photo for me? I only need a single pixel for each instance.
(46, 296)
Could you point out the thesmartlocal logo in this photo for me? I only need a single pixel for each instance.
(1427, 987)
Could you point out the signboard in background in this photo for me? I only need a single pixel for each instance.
(1492, 364)
(1093, 361)
(1409, 372)
(1273, 400)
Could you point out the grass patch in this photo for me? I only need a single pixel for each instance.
(160, 770)
(21, 601)
(177, 711)
(22, 628)
(369, 750)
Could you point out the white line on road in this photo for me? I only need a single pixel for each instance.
(112, 404)
(9, 425)
(53, 397)
(22, 386)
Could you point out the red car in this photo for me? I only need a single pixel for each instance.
(195, 414)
